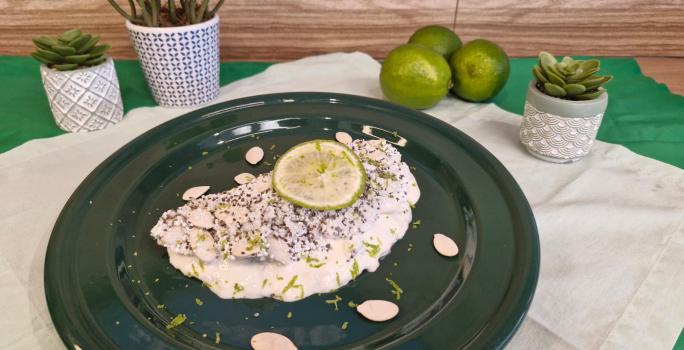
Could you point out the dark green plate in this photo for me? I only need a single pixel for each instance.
(106, 279)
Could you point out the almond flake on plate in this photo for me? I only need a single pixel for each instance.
(195, 192)
(378, 310)
(271, 341)
(254, 155)
(444, 245)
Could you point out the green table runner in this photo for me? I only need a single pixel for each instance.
(642, 115)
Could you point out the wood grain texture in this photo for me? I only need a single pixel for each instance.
(666, 70)
(263, 30)
(274, 30)
(578, 27)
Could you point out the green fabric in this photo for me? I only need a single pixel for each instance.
(24, 110)
(679, 344)
(642, 114)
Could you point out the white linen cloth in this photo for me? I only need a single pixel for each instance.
(611, 226)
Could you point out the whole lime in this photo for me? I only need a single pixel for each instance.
(480, 69)
(415, 76)
(438, 38)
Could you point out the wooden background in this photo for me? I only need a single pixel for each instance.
(288, 29)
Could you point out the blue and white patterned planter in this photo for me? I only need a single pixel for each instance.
(181, 64)
(557, 130)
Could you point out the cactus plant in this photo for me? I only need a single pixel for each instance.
(71, 50)
(569, 79)
(152, 13)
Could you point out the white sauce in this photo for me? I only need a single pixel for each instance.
(254, 278)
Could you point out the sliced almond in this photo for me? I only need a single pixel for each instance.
(343, 137)
(195, 192)
(254, 155)
(444, 245)
(201, 218)
(271, 341)
(378, 310)
(244, 178)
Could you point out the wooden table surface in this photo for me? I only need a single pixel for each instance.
(669, 71)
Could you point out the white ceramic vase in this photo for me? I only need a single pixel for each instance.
(181, 64)
(558, 130)
(84, 99)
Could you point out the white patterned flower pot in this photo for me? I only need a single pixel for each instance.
(558, 130)
(84, 99)
(181, 64)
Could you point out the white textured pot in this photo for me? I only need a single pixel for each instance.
(181, 64)
(84, 99)
(558, 130)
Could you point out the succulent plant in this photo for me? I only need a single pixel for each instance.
(152, 13)
(569, 79)
(71, 50)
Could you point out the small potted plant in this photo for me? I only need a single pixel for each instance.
(564, 108)
(79, 80)
(178, 47)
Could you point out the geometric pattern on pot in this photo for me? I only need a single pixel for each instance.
(181, 64)
(84, 99)
(557, 137)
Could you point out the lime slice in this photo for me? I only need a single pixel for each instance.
(319, 175)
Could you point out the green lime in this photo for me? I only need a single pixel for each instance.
(437, 38)
(319, 175)
(480, 70)
(415, 76)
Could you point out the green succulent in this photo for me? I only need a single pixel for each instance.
(155, 13)
(69, 51)
(569, 79)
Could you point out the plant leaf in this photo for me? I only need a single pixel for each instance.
(89, 45)
(536, 71)
(555, 79)
(554, 90)
(99, 50)
(546, 60)
(80, 41)
(590, 95)
(77, 58)
(574, 89)
(42, 59)
(50, 55)
(70, 35)
(95, 61)
(66, 66)
(64, 50)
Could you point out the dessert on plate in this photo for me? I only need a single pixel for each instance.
(327, 212)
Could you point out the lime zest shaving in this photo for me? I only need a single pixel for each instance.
(334, 302)
(199, 301)
(313, 262)
(355, 269)
(345, 325)
(217, 338)
(338, 279)
(372, 249)
(263, 284)
(176, 321)
(352, 304)
(397, 290)
(387, 175)
(291, 285)
(289, 314)
(415, 224)
(237, 288)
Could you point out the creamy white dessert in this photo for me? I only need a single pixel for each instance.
(248, 242)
